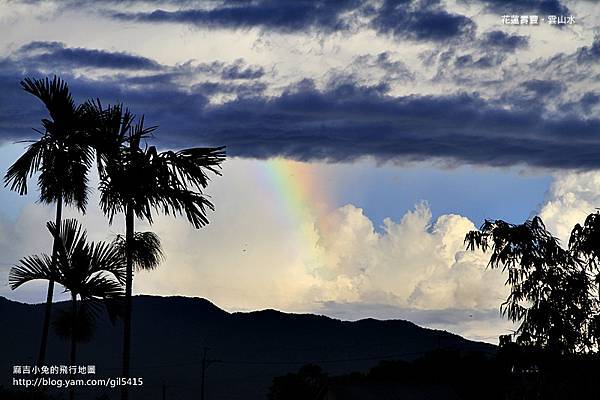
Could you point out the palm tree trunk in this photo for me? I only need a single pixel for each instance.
(73, 356)
(129, 229)
(50, 294)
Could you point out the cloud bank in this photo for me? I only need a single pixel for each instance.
(248, 258)
(540, 122)
(339, 263)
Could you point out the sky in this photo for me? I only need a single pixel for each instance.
(364, 139)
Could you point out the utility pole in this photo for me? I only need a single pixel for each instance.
(164, 391)
(206, 362)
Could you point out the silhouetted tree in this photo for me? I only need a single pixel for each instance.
(585, 245)
(62, 159)
(89, 271)
(135, 181)
(549, 286)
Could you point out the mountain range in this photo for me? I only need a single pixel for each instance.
(243, 350)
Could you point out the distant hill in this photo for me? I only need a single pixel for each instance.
(170, 333)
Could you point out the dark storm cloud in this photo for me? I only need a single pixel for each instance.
(584, 105)
(404, 19)
(56, 53)
(20, 112)
(66, 4)
(394, 70)
(492, 49)
(238, 70)
(61, 58)
(421, 20)
(544, 87)
(346, 122)
(241, 90)
(342, 122)
(545, 7)
(168, 81)
(590, 99)
(282, 15)
(481, 62)
(590, 54)
(504, 41)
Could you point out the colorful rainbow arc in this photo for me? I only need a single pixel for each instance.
(301, 200)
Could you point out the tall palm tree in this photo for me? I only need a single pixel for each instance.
(60, 157)
(136, 181)
(89, 271)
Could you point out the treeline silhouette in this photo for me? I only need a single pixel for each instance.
(515, 373)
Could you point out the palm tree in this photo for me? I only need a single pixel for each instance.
(62, 159)
(89, 271)
(134, 181)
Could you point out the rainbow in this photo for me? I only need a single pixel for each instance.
(302, 202)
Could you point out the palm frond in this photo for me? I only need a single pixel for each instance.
(108, 257)
(109, 131)
(63, 173)
(172, 201)
(101, 285)
(55, 95)
(189, 167)
(146, 249)
(33, 268)
(180, 179)
(72, 238)
(25, 167)
(138, 132)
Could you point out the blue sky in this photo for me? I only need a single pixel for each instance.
(477, 193)
(418, 118)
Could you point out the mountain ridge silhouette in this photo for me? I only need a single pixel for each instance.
(249, 348)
